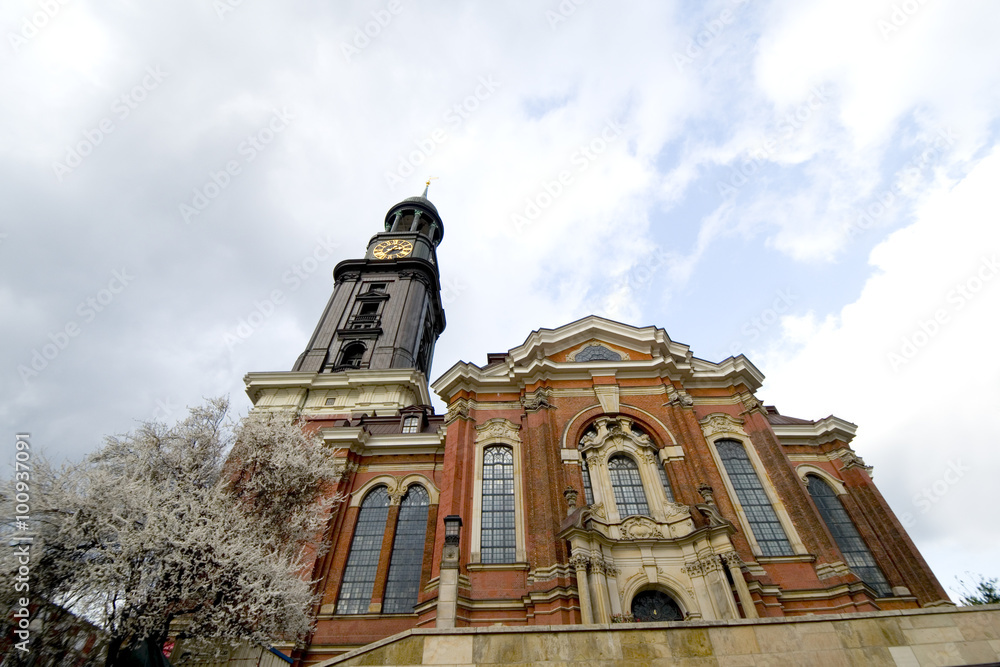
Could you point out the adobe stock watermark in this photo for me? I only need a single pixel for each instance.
(363, 35)
(755, 326)
(32, 25)
(710, 31)
(551, 190)
(932, 494)
(956, 299)
(454, 117)
(121, 108)
(224, 7)
(246, 152)
(294, 277)
(20, 541)
(87, 311)
(788, 126)
(164, 409)
(899, 16)
(562, 12)
(910, 172)
(451, 289)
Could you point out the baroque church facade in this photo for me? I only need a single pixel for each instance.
(596, 473)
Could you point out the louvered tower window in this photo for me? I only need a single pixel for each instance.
(497, 538)
(845, 533)
(764, 523)
(626, 483)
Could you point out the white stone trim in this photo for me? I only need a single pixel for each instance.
(396, 486)
(807, 469)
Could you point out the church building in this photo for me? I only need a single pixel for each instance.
(594, 473)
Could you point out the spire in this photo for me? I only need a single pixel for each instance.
(427, 186)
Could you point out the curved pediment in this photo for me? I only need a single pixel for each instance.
(595, 346)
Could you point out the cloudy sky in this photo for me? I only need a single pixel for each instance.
(810, 183)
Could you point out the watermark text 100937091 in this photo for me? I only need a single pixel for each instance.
(20, 541)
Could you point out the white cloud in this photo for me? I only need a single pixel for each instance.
(910, 362)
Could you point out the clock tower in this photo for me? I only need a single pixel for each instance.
(385, 311)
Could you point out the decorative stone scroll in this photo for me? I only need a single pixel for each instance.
(595, 350)
(721, 423)
(678, 397)
(640, 528)
(536, 400)
(733, 559)
(607, 432)
(498, 428)
(458, 410)
(344, 469)
(703, 566)
(852, 460)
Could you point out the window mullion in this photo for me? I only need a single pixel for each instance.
(382, 574)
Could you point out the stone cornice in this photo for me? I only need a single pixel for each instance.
(819, 432)
(408, 378)
(531, 362)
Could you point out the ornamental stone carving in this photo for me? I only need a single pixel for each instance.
(852, 460)
(608, 432)
(458, 410)
(640, 528)
(344, 469)
(721, 423)
(536, 400)
(750, 402)
(676, 511)
(703, 566)
(679, 397)
(497, 428)
(733, 559)
(579, 562)
(595, 350)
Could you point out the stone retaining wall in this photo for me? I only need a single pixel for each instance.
(943, 636)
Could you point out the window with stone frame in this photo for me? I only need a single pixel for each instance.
(403, 583)
(626, 483)
(665, 481)
(760, 514)
(859, 557)
(405, 556)
(411, 424)
(588, 490)
(497, 537)
(366, 548)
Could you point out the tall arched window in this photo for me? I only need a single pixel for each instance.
(626, 483)
(497, 541)
(665, 482)
(845, 533)
(588, 490)
(407, 553)
(764, 523)
(362, 560)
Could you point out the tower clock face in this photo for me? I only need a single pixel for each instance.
(392, 249)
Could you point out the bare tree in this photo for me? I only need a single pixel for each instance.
(156, 525)
(981, 591)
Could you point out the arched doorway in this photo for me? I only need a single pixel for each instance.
(652, 605)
